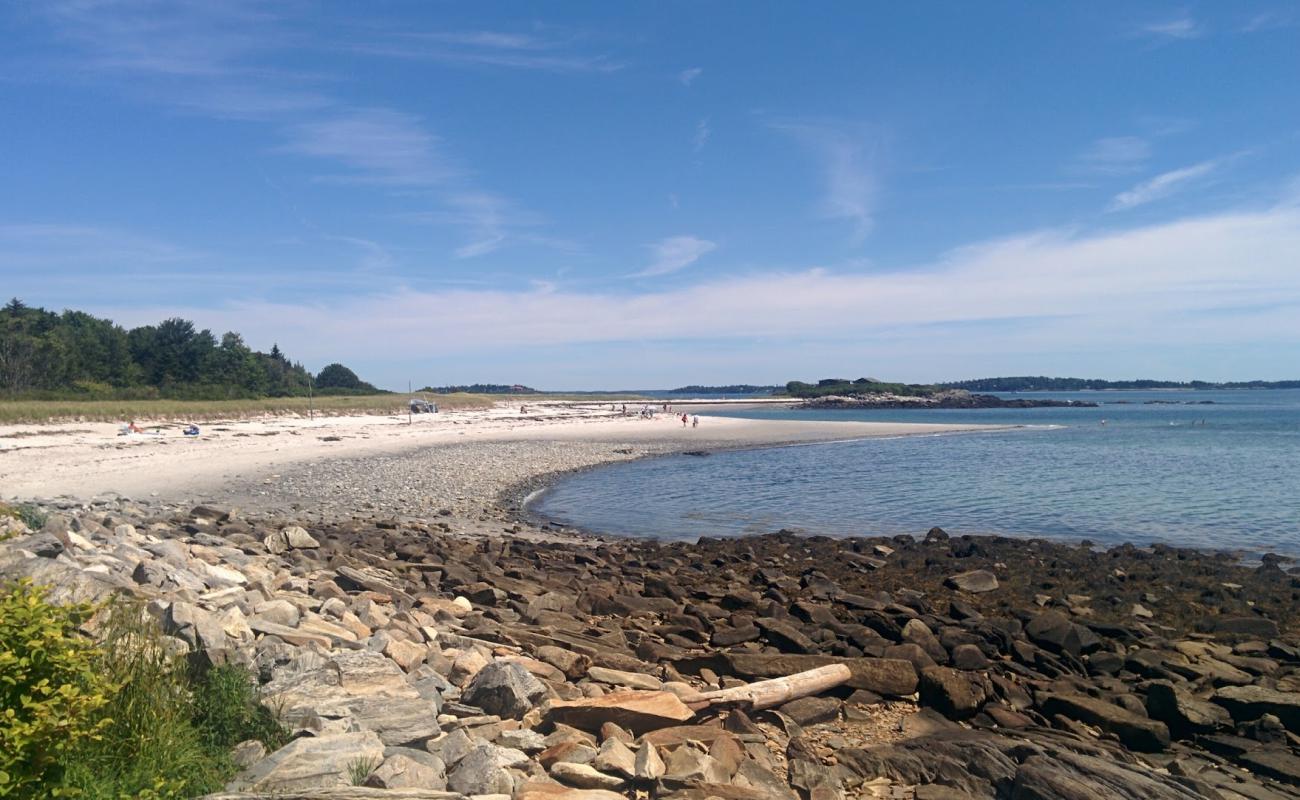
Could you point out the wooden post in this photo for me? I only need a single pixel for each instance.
(766, 694)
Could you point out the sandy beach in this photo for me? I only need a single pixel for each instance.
(463, 457)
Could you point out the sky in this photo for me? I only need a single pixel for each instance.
(591, 195)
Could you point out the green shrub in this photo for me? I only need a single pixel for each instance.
(27, 513)
(51, 691)
(128, 717)
(149, 746)
(227, 710)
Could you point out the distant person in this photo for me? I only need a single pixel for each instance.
(683, 420)
(695, 421)
(523, 410)
(133, 428)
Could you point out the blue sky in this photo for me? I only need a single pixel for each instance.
(600, 195)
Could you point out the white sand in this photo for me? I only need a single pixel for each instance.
(82, 460)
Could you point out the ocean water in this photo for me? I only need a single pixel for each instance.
(1224, 475)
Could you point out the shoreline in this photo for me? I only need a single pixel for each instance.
(517, 498)
(84, 460)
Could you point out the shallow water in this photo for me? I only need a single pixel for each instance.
(1225, 475)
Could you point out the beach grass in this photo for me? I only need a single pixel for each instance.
(16, 412)
(38, 411)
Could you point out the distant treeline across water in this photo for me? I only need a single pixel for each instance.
(1041, 383)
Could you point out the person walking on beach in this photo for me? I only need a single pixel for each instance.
(695, 421)
(683, 420)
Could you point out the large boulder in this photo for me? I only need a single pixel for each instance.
(504, 688)
(1183, 712)
(1246, 703)
(1056, 632)
(1136, 732)
(486, 770)
(312, 762)
(955, 694)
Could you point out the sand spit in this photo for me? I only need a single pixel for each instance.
(432, 455)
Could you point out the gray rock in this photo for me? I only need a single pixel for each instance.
(616, 758)
(504, 688)
(311, 763)
(955, 694)
(1136, 732)
(648, 765)
(452, 747)
(812, 710)
(975, 581)
(524, 739)
(402, 772)
(1057, 633)
(584, 776)
(1183, 712)
(247, 753)
(1247, 703)
(485, 770)
(278, 612)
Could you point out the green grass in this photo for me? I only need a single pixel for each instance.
(27, 513)
(170, 725)
(41, 411)
(38, 411)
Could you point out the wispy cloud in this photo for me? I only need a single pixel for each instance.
(529, 51)
(374, 256)
(1182, 27)
(688, 76)
(702, 134)
(212, 59)
(490, 222)
(676, 253)
(44, 245)
(1087, 291)
(1268, 20)
(1164, 185)
(847, 156)
(378, 144)
(1114, 155)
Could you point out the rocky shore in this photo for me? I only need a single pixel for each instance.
(948, 398)
(454, 665)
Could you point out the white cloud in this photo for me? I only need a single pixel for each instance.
(702, 134)
(530, 51)
(41, 246)
(1163, 185)
(1183, 27)
(676, 253)
(1267, 21)
(1114, 155)
(688, 76)
(374, 256)
(381, 145)
(1215, 279)
(847, 157)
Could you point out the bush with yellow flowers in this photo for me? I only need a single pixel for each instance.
(50, 688)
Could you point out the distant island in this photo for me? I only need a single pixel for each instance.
(872, 393)
(735, 388)
(482, 388)
(1044, 384)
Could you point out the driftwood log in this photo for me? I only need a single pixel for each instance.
(774, 692)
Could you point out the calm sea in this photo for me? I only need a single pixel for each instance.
(1222, 475)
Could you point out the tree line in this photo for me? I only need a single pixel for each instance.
(74, 355)
(1039, 383)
